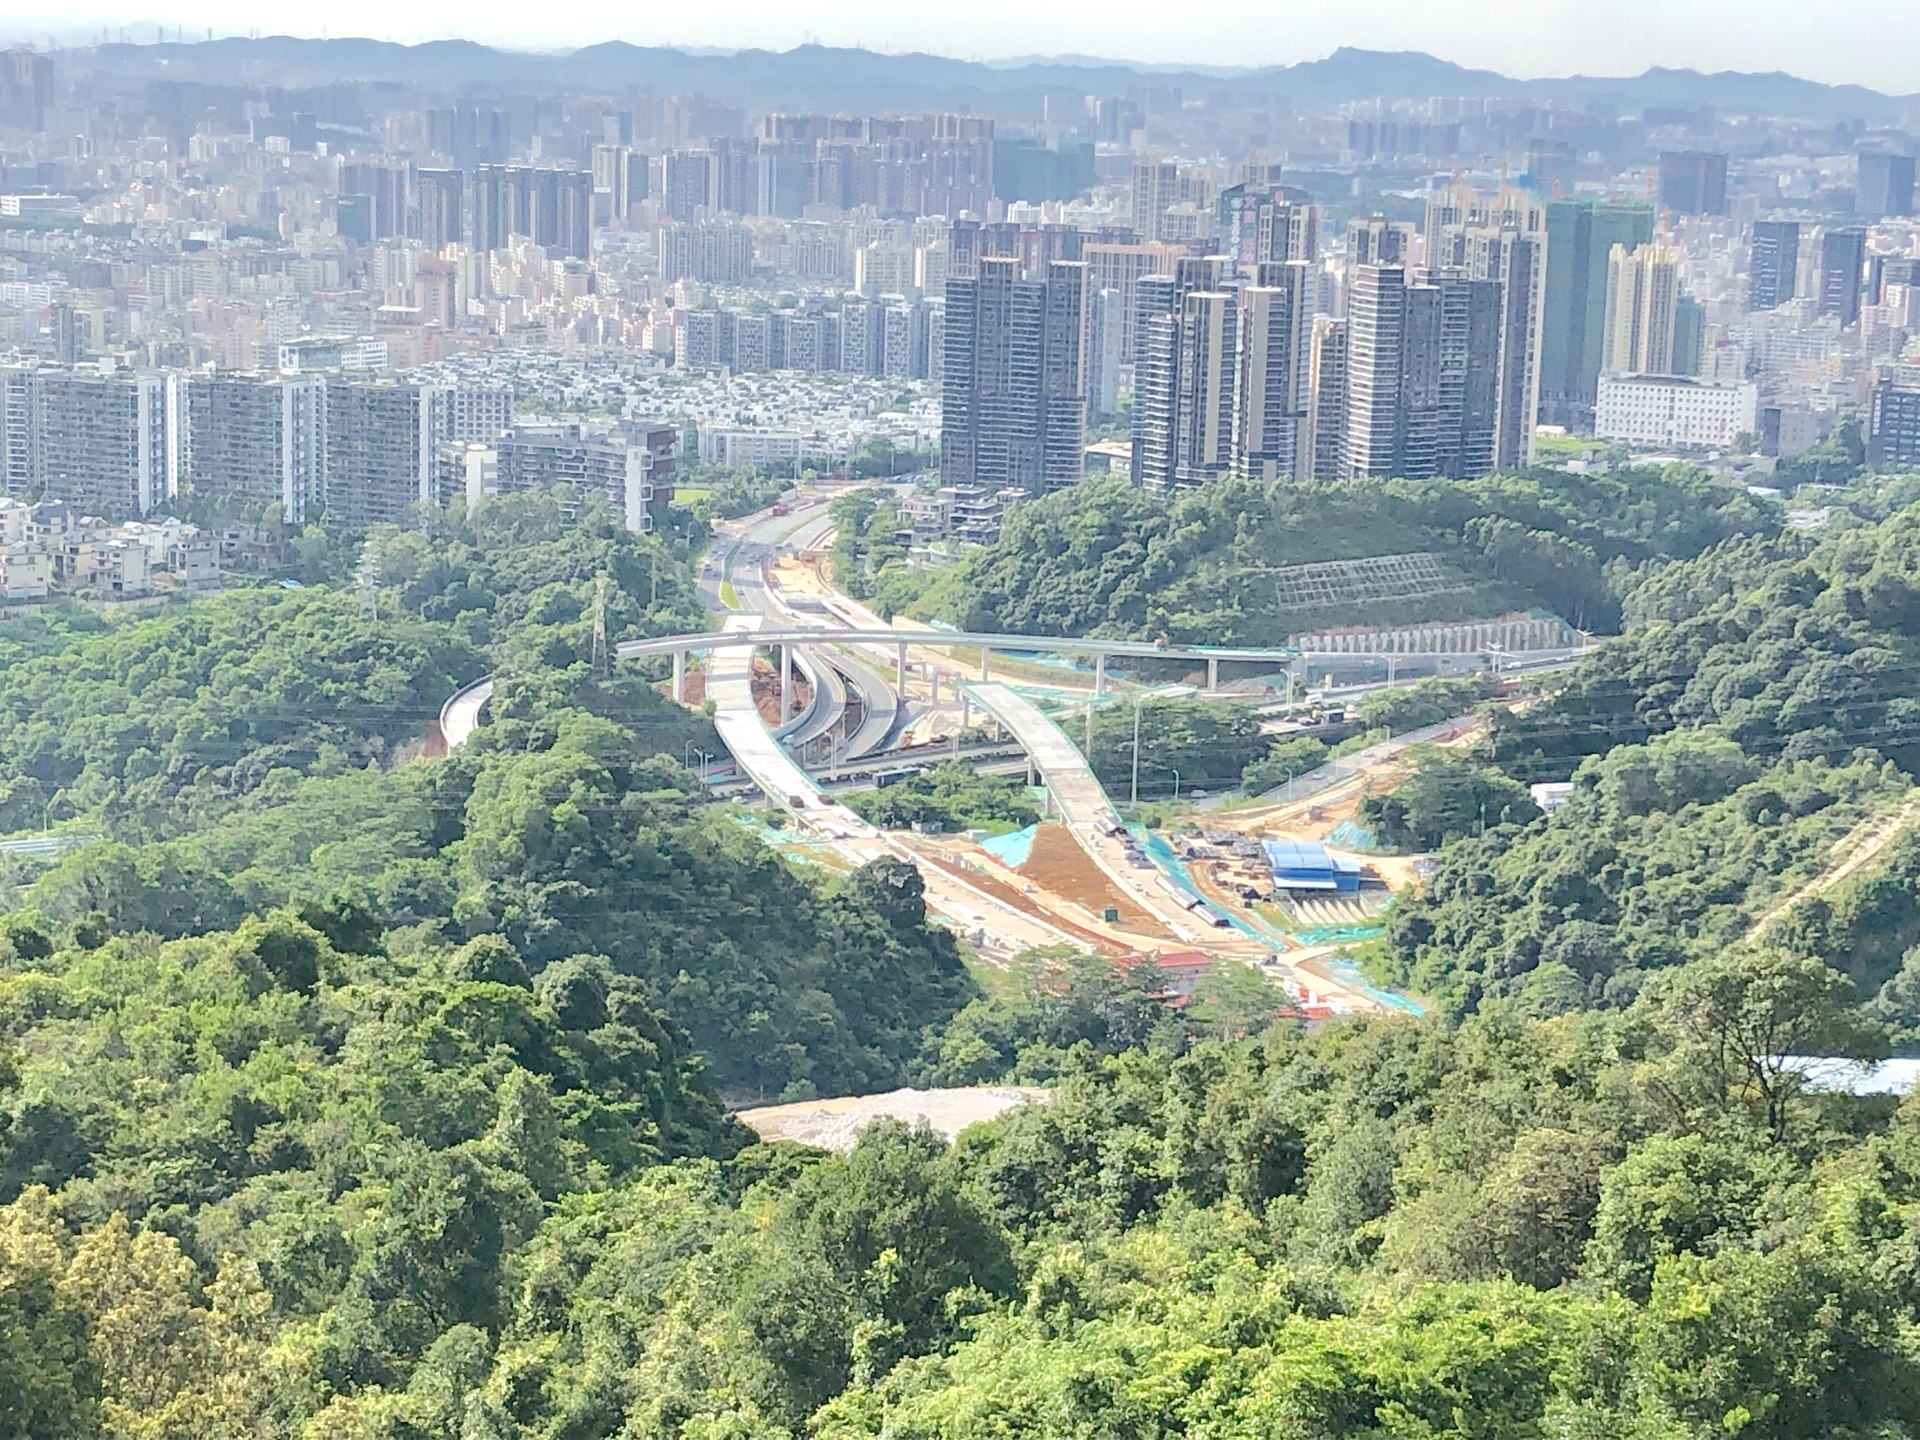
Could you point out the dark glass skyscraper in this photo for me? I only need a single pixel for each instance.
(1773, 257)
(1693, 182)
(1885, 186)
(1843, 258)
(1581, 234)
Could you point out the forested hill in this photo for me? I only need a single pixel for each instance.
(1107, 559)
(247, 752)
(1755, 727)
(1786, 647)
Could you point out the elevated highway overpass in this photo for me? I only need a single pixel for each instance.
(461, 714)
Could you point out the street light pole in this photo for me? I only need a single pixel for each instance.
(1133, 791)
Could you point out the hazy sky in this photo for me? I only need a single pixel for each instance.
(1870, 42)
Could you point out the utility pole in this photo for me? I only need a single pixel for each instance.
(367, 577)
(601, 666)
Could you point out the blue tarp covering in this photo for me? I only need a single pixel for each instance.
(1013, 848)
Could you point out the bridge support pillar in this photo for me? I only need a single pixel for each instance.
(679, 677)
(986, 666)
(1213, 676)
(1099, 676)
(900, 672)
(966, 710)
(786, 682)
(933, 679)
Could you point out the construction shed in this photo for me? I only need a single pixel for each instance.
(1308, 865)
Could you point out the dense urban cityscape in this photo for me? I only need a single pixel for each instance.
(741, 744)
(235, 296)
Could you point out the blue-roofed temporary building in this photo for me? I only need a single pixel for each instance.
(1308, 865)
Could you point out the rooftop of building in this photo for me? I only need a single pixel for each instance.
(1309, 865)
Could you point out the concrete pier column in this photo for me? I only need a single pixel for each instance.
(986, 665)
(1213, 675)
(900, 672)
(786, 682)
(1100, 675)
(679, 677)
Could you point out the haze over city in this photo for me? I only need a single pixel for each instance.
(1874, 46)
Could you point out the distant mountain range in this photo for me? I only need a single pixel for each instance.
(820, 77)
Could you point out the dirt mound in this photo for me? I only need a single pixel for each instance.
(1059, 865)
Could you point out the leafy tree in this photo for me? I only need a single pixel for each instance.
(154, 725)
(1801, 1341)
(1286, 760)
(1207, 743)
(866, 1258)
(50, 1373)
(1897, 1005)
(1447, 795)
(1689, 1194)
(1737, 1021)
(1051, 1002)
(732, 491)
(1232, 1001)
(1786, 649)
(952, 796)
(1427, 702)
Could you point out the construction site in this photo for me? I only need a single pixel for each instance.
(1208, 884)
(813, 694)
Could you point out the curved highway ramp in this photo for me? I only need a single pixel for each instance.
(991, 922)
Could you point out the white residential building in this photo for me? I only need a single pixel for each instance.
(26, 571)
(760, 449)
(122, 569)
(1667, 413)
